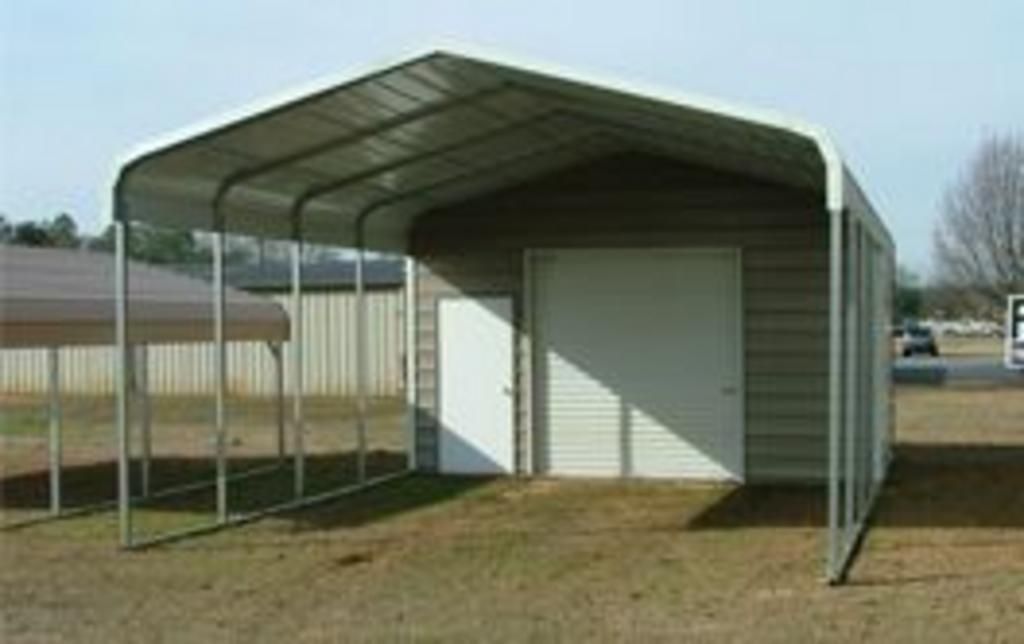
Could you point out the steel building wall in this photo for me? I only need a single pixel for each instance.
(184, 369)
(639, 201)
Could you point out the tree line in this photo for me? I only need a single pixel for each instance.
(978, 242)
(146, 243)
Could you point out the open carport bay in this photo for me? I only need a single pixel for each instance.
(453, 558)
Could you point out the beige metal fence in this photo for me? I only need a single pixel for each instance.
(329, 339)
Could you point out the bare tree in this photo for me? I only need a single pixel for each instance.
(979, 241)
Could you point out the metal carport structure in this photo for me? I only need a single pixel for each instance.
(54, 298)
(354, 161)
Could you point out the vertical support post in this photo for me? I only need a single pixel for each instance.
(56, 420)
(526, 461)
(410, 361)
(361, 411)
(298, 420)
(276, 350)
(121, 230)
(141, 372)
(220, 368)
(889, 310)
(867, 369)
(852, 363)
(835, 321)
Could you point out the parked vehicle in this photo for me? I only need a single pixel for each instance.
(916, 338)
(1015, 332)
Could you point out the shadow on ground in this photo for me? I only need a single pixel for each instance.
(764, 506)
(391, 499)
(954, 486)
(96, 482)
(929, 486)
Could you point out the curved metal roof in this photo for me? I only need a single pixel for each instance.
(51, 297)
(388, 145)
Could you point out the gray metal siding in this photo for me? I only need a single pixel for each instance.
(443, 275)
(477, 247)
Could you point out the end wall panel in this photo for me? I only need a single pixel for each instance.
(636, 201)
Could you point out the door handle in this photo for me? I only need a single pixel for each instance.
(729, 391)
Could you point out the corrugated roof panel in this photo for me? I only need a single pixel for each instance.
(440, 125)
(441, 73)
(393, 215)
(282, 133)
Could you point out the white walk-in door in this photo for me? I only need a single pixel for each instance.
(476, 340)
(638, 354)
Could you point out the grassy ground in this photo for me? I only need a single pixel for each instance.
(183, 454)
(975, 347)
(448, 559)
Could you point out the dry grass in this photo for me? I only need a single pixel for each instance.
(973, 347)
(447, 559)
(950, 525)
(971, 414)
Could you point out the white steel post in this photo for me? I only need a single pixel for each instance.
(852, 364)
(56, 420)
(298, 421)
(122, 372)
(360, 364)
(276, 350)
(410, 361)
(141, 369)
(220, 368)
(867, 367)
(835, 321)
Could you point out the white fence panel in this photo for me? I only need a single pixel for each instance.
(185, 369)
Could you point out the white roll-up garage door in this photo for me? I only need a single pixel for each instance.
(638, 358)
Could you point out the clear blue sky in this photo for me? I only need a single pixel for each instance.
(906, 88)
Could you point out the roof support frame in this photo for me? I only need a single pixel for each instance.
(528, 91)
(220, 368)
(833, 554)
(251, 172)
(564, 98)
(297, 361)
(645, 131)
(454, 96)
(342, 182)
(55, 422)
(140, 382)
(384, 136)
(122, 239)
(851, 497)
(505, 163)
(279, 107)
